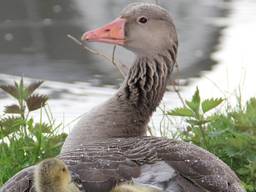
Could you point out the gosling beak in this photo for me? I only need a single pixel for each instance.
(113, 33)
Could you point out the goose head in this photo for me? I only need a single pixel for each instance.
(145, 29)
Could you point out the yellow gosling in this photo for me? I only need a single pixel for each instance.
(52, 175)
(134, 188)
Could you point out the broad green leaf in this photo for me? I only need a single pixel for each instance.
(194, 104)
(196, 97)
(185, 112)
(210, 104)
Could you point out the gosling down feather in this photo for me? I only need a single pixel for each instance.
(52, 175)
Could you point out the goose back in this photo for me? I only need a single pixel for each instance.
(100, 166)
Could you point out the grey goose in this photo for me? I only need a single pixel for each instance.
(109, 144)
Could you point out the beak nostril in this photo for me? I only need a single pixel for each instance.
(107, 30)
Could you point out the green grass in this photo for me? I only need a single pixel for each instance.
(230, 135)
(24, 142)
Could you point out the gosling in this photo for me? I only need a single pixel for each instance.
(52, 175)
(134, 188)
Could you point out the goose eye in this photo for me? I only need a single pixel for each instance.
(142, 20)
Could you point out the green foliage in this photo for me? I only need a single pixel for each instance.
(24, 142)
(230, 135)
(185, 112)
(210, 104)
(195, 112)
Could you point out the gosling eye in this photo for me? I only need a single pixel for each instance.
(64, 169)
(142, 20)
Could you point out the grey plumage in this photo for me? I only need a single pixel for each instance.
(108, 145)
(128, 112)
(103, 164)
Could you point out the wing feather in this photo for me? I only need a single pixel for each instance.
(103, 164)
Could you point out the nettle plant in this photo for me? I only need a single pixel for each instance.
(24, 142)
(196, 115)
(229, 134)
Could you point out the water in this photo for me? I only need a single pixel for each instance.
(33, 39)
(77, 81)
(235, 72)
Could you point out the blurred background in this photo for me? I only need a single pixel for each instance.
(34, 39)
(216, 50)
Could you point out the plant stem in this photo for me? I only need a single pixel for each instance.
(40, 137)
(203, 135)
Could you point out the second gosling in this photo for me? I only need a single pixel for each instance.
(52, 175)
(134, 188)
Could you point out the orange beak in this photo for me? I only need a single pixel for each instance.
(112, 33)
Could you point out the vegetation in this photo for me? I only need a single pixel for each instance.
(230, 135)
(24, 142)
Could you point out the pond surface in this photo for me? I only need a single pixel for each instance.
(33, 44)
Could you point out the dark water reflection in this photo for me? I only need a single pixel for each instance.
(33, 39)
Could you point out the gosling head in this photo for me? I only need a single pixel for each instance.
(52, 173)
(144, 28)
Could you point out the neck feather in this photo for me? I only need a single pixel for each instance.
(146, 81)
(128, 112)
